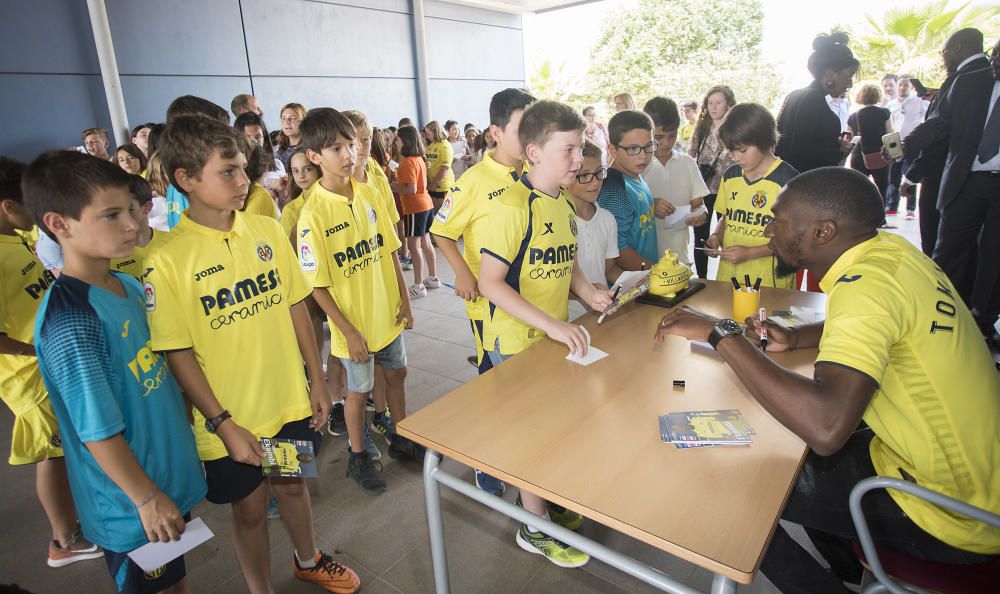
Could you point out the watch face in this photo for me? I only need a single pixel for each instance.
(730, 327)
(209, 427)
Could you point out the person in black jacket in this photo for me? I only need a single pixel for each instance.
(962, 53)
(968, 116)
(809, 130)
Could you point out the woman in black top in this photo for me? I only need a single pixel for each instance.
(809, 130)
(870, 123)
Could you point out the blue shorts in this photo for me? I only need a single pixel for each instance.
(131, 579)
(361, 376)
(495, 356)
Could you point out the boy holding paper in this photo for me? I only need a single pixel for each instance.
(133, 466)
(528, 268)
(675, 181)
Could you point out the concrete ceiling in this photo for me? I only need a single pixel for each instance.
(521, 6)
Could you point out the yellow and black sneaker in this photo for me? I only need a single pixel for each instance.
(552, 549)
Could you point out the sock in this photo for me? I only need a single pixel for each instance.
(532, 528)
(306, 564)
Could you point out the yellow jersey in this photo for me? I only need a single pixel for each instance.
(227, 295)
(466, 210)
(684, 132)
(747, 208)
(535, 235)
(23, 282)
(132, 265)
(892, 315)
(379, 184)
(291, 213)
(260, 202)
(345, 247)
(30, 236)
(440, 154)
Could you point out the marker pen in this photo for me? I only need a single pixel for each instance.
(762, 314)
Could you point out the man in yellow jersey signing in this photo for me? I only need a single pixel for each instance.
(904, 387)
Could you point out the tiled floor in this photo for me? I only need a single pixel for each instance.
(384, 538)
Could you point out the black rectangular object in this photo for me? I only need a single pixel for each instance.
(693, 287)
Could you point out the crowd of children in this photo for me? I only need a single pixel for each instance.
(188, 277)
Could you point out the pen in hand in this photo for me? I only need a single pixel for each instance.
(762, 314)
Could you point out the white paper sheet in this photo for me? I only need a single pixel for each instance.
(156, 554)
(593, 354)
(630, 279)
(680, 216)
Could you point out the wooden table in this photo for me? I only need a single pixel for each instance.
(568, 433)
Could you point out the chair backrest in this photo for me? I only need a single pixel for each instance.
(871, 555)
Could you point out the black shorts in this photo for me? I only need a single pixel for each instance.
(131, 579)
(230, 481)
(438, 195)
(418, 224)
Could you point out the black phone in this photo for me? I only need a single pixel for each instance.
(919, 86)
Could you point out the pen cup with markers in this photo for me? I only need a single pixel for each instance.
(746, 302)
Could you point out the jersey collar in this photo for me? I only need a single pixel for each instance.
(318, 189)
(239, 227)
(527, 183)
(836, 272)
(501, 169)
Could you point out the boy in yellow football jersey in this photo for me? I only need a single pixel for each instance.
(226, 303)
(746, 195)
(142, 203)
(35, 439)
(532, 231)
(347, 248)
(466, 209)
(259, 201)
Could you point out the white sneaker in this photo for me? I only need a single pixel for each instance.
(432, 282)
(417, 291)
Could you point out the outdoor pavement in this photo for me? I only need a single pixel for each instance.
(384, 538)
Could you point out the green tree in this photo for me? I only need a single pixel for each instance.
(681, 48)
(909, 40)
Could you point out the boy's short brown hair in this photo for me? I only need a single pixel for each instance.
(591, 150)
(543, 118)
(321, 127)
(626, 121)
(99, 131)
(64, 182)
(359, 120)
(140, 190)
(189, 141)
(749, 124)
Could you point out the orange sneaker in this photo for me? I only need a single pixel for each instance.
(78, 549)
(328, 574)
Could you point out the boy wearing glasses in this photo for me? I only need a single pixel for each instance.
(625, 195)
(597, 233)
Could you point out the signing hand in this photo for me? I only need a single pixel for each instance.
(686, 322)
(599, 299)
(779, 338)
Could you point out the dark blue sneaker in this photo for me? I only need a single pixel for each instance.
(490, 484)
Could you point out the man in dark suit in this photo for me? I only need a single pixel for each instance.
(962, 53)
(968, 242)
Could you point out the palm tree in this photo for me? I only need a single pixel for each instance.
(910, 39)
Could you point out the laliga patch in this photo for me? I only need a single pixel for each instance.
(759, 200)
(572, 224)
(264, 252)
(307, 258)
(150, 293)
(55, 441)
(445, 210)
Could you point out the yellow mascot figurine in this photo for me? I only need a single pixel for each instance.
(669, 276)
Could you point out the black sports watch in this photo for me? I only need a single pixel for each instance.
(212, 425)
(722, 329)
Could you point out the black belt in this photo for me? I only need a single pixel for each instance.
(989, 173)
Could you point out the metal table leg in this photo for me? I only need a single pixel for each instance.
(723, 585)
(435, 523)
